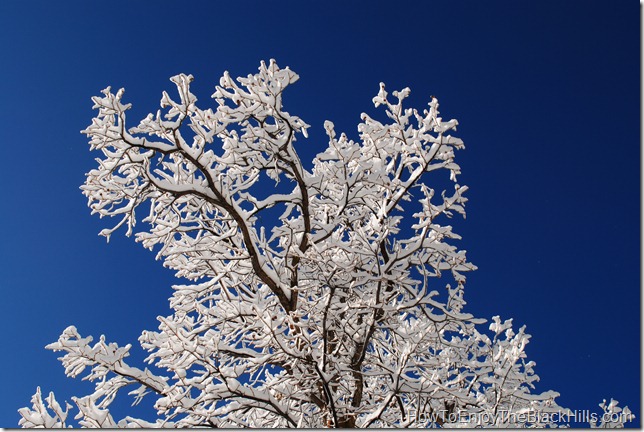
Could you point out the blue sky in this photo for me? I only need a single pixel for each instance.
(546, 93)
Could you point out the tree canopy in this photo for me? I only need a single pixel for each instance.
(324, 297)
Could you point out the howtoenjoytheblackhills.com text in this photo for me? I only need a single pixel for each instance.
(529, 417)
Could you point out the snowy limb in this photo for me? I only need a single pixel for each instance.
(40, 417)
(612, 416)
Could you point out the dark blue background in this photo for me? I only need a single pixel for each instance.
(547, 95)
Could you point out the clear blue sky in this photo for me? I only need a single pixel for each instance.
(546, 92)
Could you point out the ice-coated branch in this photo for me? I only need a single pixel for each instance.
(39, 416)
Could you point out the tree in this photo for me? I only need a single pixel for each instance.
(312, 301)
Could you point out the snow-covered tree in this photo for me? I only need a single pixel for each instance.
(314, 296)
